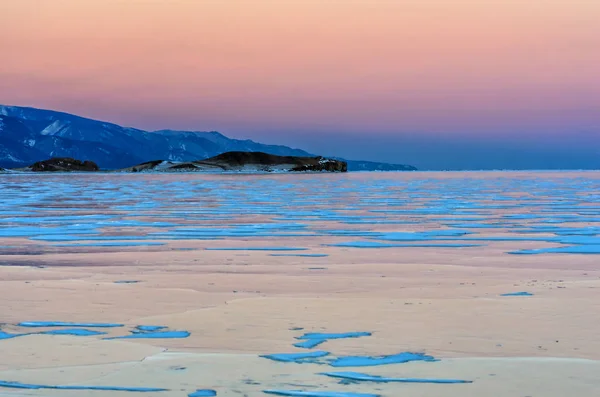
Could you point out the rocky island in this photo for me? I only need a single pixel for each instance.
(64, 164)
(57, 164)
(245, 162)
(225, 162)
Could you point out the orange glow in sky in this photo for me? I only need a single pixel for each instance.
(455, 66)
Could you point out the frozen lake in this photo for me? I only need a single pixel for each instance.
(328, 285)
(558, 211)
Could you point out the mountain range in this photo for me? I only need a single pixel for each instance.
(28, 135)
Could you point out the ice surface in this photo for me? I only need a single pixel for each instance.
(203, 393)
(106, 211)
(296, 357)
(313, 339)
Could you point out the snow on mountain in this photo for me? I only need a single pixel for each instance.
(54, 128)
(36, 134)
(28, 135)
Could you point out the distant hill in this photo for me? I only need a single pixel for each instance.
(29, 135)
(357, 165)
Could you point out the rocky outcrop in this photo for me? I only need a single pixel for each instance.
(270, 162)
(322, 165)
(64, 164)
(171, 166)
(246, 162)
(147, 166)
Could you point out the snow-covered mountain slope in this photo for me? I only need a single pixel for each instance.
(28, 135)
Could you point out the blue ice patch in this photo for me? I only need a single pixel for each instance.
(150, 328)
(73, 332)
(203, 393)
(310, 344)
(311, 340)
(298, 358)
(5, 335)
(36, 324)
(521, 293)
(356, 376)
(154, 335)
(257, 249)
(17, 385)
(369, 361)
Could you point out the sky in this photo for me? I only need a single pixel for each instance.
(440, 84)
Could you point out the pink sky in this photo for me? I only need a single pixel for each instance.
(248, 67)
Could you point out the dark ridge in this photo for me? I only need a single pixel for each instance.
(184, 166)
(260, 158)
(246, 161)
(152, 163)
(240, 159)
(59, 164)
